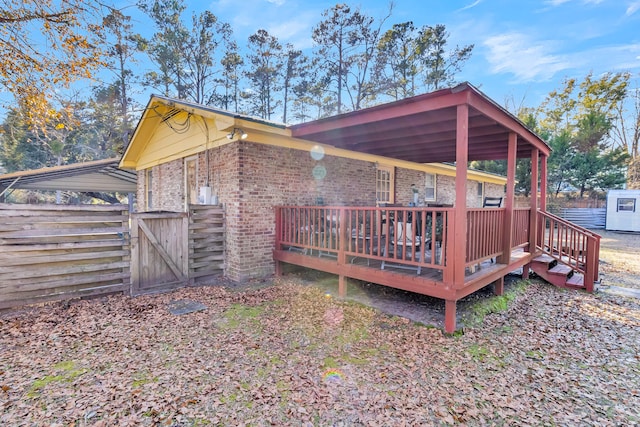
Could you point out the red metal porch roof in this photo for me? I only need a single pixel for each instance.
(423, 128)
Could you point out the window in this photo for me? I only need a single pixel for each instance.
(385, 184)
(480, 190)
(190, 181)
(148, 183)
(430, 187)
(626, 205)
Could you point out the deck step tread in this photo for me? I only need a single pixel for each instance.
(544, 259)
(576, 280)
(561, 270)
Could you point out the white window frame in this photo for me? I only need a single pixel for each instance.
(148, 189)
(385, 187)
(480, 191)
(623, 202)
(188, 160)
(430, 185)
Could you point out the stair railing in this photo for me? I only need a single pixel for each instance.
(570, 244)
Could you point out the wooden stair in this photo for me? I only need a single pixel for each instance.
(557, 274)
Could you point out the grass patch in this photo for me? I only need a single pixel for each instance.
(496, 304)
(66, 371)
(238, 314)
(142, 378)
(478, 352)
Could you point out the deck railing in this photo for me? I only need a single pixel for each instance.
(413, 237)
(485, 228)
(521, 218)
(570, 244)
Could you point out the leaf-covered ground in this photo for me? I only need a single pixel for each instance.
(289, 355)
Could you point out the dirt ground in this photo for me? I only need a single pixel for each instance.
(620, 259)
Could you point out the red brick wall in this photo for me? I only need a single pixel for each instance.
(167, 188)
(404, 179)
(271, 176)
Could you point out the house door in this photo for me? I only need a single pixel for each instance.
(190, 182)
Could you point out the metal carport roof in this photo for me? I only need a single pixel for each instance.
(95, 176)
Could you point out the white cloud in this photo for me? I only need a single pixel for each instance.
(554, 3)
(277, 2)
(633, 8)
(527, 59)
(619, 57)
(295, 31)
(469, 6)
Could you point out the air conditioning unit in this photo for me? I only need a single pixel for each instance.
(205, 196)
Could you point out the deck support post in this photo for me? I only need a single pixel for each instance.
(343, 239)
(449, 316)
(507, 239)
(543, 183)
(525, 271)
(533, 213)
(279, 218)
(498, 286)
(278, 271)
(459, 240)
(342, 286)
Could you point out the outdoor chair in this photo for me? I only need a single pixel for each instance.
(492, 202)
(406, 242)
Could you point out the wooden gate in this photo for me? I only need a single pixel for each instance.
(159, 252)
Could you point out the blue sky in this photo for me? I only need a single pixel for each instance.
(523, 48)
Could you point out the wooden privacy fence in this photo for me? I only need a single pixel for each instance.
(206, 242)
(53, 252)
(170, 250)
(58, 252)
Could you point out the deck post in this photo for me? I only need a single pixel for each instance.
(498, 286)
(533, 214)
(278, 244)
(543, 183)
(343, 241)
(509, 199)
(590, 266)
(342, 286)
(460, 220)
(449, 316)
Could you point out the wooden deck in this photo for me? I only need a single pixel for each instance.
(428, 281)
(404, 248)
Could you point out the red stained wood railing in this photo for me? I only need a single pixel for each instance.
(412, 237)
(485, 229)
(520, 227)
(570, 244)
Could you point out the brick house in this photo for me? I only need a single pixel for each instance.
(252, 165)
(366, 194)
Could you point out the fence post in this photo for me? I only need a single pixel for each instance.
(134, 281)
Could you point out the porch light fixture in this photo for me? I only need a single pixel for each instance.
(242, 134)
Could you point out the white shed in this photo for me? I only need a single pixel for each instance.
(623, 210)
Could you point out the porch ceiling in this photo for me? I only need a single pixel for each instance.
(423, 128)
